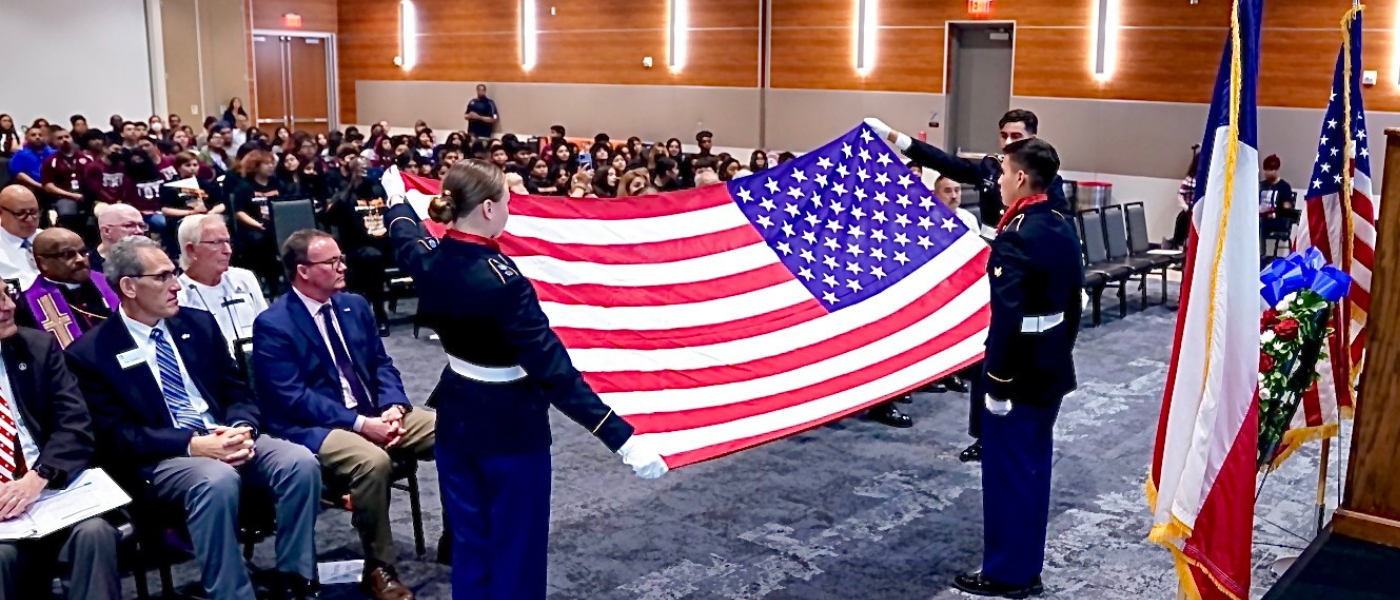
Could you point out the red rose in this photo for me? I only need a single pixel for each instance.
(1266, 362)
(1269, 319)
(1287, 329)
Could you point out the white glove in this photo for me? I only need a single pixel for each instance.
(644, 460)
(879, 126)
(395, 200)
(999, 408)
(901, 140)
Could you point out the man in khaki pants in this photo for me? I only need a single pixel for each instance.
(325, 381)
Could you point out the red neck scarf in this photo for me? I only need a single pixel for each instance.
(472, 238)
(1019, 207)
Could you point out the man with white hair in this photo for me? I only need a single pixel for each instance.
(116, 223)
(231, 294)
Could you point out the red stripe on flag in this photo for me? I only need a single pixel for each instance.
(705, 417)
(683, 337)
(1228, 513)
(1184, 305)
(927, 304)
(635, 254)
(691, 457)
(639, 207)
(662, 295)
(424, 185)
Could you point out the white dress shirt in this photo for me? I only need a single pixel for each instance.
(314, 307)
(235, 302)
(17, 262)
(27, 445)
(146, 349)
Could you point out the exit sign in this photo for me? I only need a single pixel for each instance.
(291, 21)
(979, 8)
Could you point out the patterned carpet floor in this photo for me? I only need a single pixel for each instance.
(855, 510)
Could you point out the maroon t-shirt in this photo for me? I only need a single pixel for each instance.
(66, 172)
(143, 195)
(104, 183)
(167, 170)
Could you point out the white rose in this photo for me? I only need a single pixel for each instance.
(1265, 394)
(1267, 337)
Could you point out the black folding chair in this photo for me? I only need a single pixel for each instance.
(1098, 268)
(1115, 234)
(1139, 247)
(290, 216)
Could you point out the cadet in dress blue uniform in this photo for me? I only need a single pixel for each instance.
(1036, 273)
(985, 174)
(505, 368)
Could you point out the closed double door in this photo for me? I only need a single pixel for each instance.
(293, 78)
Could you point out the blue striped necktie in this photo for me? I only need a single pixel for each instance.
(172, 385)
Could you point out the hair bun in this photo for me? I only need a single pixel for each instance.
(442, 209)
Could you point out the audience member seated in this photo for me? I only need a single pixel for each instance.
(1273, 190)
(27, 165)
(633, 183)
(63, 179)
(215, 153)
(174, 417)
(178, 203)
(665, 176)
(950, 193)
(65, 300)
(254, 246)
(229, 293)
(326, 382)
(51, 444)
(356, 209)
(116, 223)
(604, 184)
(758, 161)
(19, 223)
(11, 140)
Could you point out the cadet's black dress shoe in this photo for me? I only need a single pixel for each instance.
(975, 583)
(889, 415)
(972, 453)
(383, 330)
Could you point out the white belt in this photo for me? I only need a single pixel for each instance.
(1042, 323)
(472, 370)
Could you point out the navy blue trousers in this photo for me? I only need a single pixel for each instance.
(498, 508)
(1017, 449)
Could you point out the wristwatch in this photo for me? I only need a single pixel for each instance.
(48, 473)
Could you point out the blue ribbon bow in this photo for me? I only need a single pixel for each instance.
(1303, 270)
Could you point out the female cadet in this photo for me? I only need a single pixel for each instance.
(505, 367)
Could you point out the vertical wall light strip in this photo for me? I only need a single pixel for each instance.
(529, 31)
(679, 28)
(865, 25)
(1105, 32)
(408, 35)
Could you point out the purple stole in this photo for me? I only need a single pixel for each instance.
(52, 312)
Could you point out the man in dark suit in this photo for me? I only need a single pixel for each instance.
(326, 382)
(1036, 272)
(175, 419)
(45, 443)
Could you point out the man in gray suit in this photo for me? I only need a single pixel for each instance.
(175, 420)
(45, 443)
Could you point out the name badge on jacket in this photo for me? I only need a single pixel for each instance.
(130, 358)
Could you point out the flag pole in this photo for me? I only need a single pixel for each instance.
(1322, 483)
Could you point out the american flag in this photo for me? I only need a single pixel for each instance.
(1325, 224)
(720, 318)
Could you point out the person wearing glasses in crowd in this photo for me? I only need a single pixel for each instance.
(19, 223)
(65, 300)
(116, 223)
(209, 283)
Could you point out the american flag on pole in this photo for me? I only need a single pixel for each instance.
(1201, 486)
(727, 316)
(1343, 227)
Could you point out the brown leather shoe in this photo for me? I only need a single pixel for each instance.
(382, 583)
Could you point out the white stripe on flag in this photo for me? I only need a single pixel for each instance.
(692, 270)
(670, 316)
(629, 231)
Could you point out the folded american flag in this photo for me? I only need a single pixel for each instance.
(723, 317)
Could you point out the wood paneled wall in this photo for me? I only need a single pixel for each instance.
(1168, 49)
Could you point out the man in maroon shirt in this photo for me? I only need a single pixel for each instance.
(63, 178)
(104, 179)
(143, 181)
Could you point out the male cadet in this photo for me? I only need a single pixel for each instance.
(65, 300)
(1015, 125)
(1036, 273)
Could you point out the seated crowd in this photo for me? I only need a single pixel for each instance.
(137, 267)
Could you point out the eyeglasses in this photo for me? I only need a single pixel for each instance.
(334, 262)
(68, 254)
(138, 226)
(23, 214)
(217, 243)
(163, 276)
